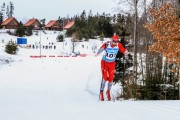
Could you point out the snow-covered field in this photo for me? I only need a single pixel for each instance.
(65, 88)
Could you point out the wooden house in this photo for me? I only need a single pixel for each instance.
(53, 25)
(10, 23)
(33, 23)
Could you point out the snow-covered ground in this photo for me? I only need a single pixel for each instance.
(65, 88)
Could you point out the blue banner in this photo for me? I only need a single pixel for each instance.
(21, 40)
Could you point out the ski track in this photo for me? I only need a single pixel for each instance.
(68, 89)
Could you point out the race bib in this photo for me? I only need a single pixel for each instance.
(110, 54)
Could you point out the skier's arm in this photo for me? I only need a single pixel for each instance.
(122, 49)
(101, 49)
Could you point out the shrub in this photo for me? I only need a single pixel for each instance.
(60, 38)
(102, 36)
(20, 31)
(11, 47)
(29, 31)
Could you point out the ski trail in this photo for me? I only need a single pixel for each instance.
(67, 89)
(94, 80)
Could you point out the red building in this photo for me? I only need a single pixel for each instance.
(53, 25)
(10, 23)
(34, 23)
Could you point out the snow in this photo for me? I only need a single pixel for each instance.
(65, 88)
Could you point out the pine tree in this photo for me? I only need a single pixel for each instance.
(20, 31)
(11, 9)
(3, 10)
(60, 38)
(1, 19)
(102, 36)
(7, 11)
(11, 47)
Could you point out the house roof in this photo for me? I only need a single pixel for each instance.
(51, 23)
(8, 20)
(30, 22)
(69, 24)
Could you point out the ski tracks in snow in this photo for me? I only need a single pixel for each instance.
(94, 79)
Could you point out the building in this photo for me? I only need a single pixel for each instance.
(34, 23)
(10, 23)
(53, 25)
(68, 25)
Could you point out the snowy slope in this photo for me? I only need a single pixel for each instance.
(66, 88)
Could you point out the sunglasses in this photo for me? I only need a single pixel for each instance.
(115, 41)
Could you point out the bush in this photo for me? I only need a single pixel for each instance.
(102, 36)
(29, 31)
(20, 31)
(60, 38)
(11, 47)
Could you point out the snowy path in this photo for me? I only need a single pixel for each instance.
(67, 89)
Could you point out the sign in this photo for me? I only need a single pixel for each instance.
(21, 40)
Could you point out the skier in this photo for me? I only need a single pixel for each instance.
(111, 49)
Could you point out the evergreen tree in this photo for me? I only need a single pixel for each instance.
(123, 25)
(29, 31)
(91, 26)
(11, 47)
(61, 21)
(83, 16)
(11, 9)
(1, 19)
(3, 10)
(20, 31)
(60, 38)
(43, 21)
(101, 36)
(7, 11)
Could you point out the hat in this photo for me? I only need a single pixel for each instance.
(115, 38)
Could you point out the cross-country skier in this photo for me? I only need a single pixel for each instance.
(111, 49)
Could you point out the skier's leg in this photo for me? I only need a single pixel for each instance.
(108, 90)
(110, 85)
(111, 71)
(104, 69)
(103, 83)
(104, 78)
(101, 95)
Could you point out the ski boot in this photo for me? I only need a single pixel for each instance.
(108, 95)
(101, 96)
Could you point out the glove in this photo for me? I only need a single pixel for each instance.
(96, 55)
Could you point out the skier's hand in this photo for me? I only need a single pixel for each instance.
(96, 55)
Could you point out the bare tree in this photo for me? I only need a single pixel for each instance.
(135, 44)
(135, 10)
(74, 41)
